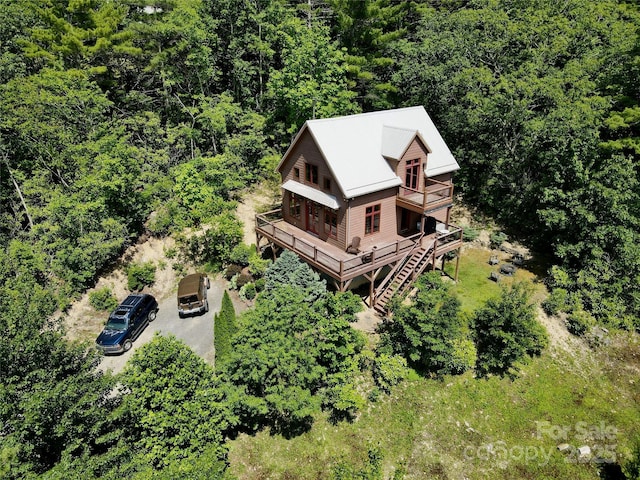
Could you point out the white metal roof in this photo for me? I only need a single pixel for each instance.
(395, 141)
(311, 193)
(355, 147)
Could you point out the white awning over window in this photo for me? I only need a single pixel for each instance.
(312, 194)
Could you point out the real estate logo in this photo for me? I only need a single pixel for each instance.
(582, 442)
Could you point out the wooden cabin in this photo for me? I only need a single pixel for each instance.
(368, 196)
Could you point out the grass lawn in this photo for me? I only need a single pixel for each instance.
(474, 286)
(463, 427)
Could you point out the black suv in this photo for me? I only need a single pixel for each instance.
(127, 322)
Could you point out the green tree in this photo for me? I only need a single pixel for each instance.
(216, 244)
(506, 331)
(311, 83)
(425, 331)
(290, 270)
(525, 97)
(53, 402)
(173, 407)
(292, 355)
(224, 330)
(366, 30)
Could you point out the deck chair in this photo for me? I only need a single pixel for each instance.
(355, 246)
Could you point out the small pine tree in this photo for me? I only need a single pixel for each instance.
(224, 328)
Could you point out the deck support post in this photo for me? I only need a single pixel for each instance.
(455, 278)
(371, 276)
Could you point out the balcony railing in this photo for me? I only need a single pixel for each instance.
(323, 259)
(448, 240)
(435, 195)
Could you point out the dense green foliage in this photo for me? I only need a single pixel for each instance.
(224, 328)
(174, 408)
(116, 120)
(429, 332)
(294, 352)
(506, 331)
(535, 99)
(140, 275)
(103, 299)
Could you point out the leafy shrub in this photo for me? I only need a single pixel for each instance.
(257, 264)
(579, 322)
(179, 268)
(344, 401)
(497, 238)
(463, 356)
(556, 302)
(243, 279)
(506, 331)
(469, 234)
(103, 299)
(374, 395)
(140, 275)
(423, 331)
(215, 245)
(248, 291)
(231, 271)
(389, 370)
(240, 254)
(259, 284)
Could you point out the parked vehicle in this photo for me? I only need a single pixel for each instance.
(192, 294)
(127, 322)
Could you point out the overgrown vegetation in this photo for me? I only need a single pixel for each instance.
(140, 275)
(506, 331)
(294, 353)
(117, 121)
(103, 299)
(429, 332)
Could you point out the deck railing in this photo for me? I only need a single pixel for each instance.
(366, 261)
(435, 194)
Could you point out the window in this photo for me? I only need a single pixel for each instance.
(294, 205)
(372, 220)
(311, 173)
(331, 222)
(412, 179)
(327, 183)
(296, 172)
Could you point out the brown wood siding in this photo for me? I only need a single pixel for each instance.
(440, 215)
(306, 151)
(388, 224)
(415, 150)
(444, 178)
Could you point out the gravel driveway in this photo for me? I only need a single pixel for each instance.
(196, 331)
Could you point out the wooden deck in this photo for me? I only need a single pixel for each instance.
(338, 264)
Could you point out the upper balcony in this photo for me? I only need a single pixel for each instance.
(435, 195)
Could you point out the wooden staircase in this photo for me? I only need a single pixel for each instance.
(402, 276)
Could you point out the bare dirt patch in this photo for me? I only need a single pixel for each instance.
(253, 201)
(83, 322)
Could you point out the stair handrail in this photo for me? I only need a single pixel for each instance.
(392, 274)
(426, 253)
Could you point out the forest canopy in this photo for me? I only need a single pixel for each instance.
(119, 117)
